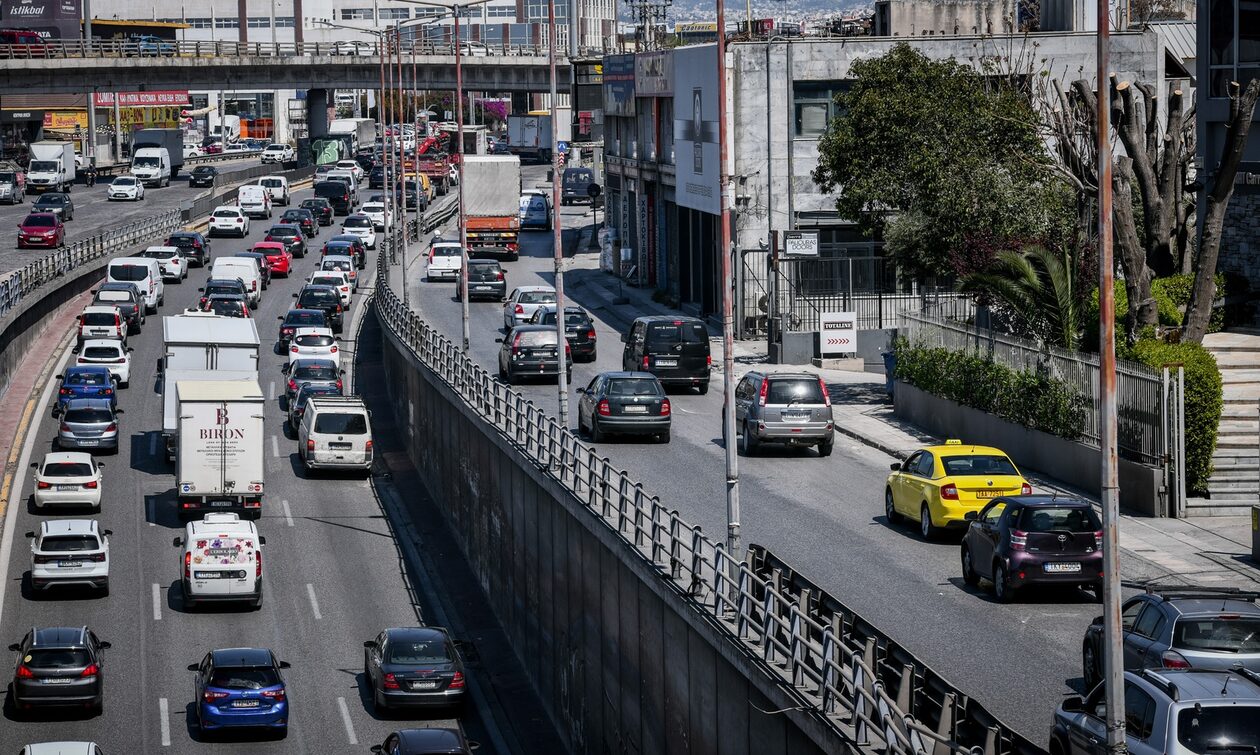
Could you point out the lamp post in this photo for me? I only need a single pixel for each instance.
(557, 162)
(728, 325)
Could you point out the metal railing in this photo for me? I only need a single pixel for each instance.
(221, 49)
(1139, 388)
(21, 282)
(817, 663)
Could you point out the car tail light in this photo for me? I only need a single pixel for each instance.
(338, 308)
(188, 565)
(761, 400)
(293, 348)
(1019, 540)
(310, 446)
(591, 334)
(499, 276)
(567, 350)
(111, 427)
(1098, 539)
(274, 695)
(518, 309)
(64, 392)
(367, 448)
(25, 673)
(457, 682)
(708, 360)
(64, 428)
(258, 564)
(603, 409)
(212, 695)
(645, 362)
(43, 485)
(1173, 659)
(91, 670)
(1025, 489)
(948, 492)
(91, 485)
(665, 408)
(292, 384)
(390, 682)
(240, 221)
(516, 343)
(97, 557)
(512, 247)
(253, 285)
(826, 394)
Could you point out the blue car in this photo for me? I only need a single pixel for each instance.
(88, 381)
(150, 45)
(241, 688)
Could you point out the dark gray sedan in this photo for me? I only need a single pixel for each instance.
(529, 351)
(627, 403)
(414, 667)
(55, 202)
(486, 280)
(88, 424)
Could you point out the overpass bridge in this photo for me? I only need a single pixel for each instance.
(75, 67)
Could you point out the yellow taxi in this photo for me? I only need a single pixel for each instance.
(938, 485)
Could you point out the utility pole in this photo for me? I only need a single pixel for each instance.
(557, 236)
(1113, 660)
(459, 130)
(728, 323)
(89, 146)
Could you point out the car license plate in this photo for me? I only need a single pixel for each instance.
(988, 493)
(796, 416)
(483, 288)
(667, 363)
(635, 409)
(100, 332)
(82, 442)
(58, 680)
(245, 703)
(66, 488)
(1063, 567)
(221, 504)
(207, 575)
(69, 564)
(341, 446)
(424, 685)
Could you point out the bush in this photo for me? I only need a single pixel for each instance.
(1203, 401)
(1033, 400)
(1172, 295)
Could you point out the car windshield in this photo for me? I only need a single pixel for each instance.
(1055, 518)
(304, 318)
(39, 221)
(202, 170)
(244, 678)
(101, 352)
(86, 378)
(43, 166)
(88, 415)
(181, 241)
(282, 230)
(633, 387)
(319, 299)
(99, 319)
(157, 254)
(665, 334)
(51, 199)
(128, 272)
(336, 423)
(69, 543)
(124, 181)
(314, 340)
(271, 183)
(331, 189)
(145, 162)
(358, 222)
(314, 371)
(446, 250)
(226, 307)
(1218, 634)
(336, 265)
(1219, 728)
(537, 297)
(978, 464)
(67, 469)
(805, 391)
(55, 658)
(226, 214)
(221, 288)
(327, 280)
(416, 652)
(104, 295)
(295, 217)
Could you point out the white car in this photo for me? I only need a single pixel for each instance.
(343, 263)
(445, 260)
(277, 187)
(362, 226)
(174, 266)
(192, 150)
(353, 166)
(229, 220)
(351, 48)
(377, 212)
(278, 153)
(62, 748)
(70, 552)
(68, 478)
(236, 147)
(319, 343)
(102, 321)
(335, 278)
(520, 306)
(126, 187)
(109, 353)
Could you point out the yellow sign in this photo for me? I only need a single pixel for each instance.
(698, 27)
(67, 120)
(149, 117)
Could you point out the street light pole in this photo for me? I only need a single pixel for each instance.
(728, 325)
(557, 236)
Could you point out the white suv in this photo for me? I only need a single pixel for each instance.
(70, 552)
(278, 153)
(336, 433)
(229, 220)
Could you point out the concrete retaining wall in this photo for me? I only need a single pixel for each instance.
(1076, 464)
(617, 655)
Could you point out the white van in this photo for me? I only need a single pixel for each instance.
(278, 187)
(145, 273)
(336, 433)
(221, 560)
(152, 166)
(245, 268)
(254, 201)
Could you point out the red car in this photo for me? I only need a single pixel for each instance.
(41, 229)
(214, 148)
(278, 257)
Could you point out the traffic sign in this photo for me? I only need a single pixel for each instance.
(562, 147)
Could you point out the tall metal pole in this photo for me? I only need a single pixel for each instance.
(557, 242)
(89, 147)
(728, 322)
(1113, 660)
(391, 177)
(459, 136)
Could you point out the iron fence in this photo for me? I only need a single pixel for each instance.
(1139, 389)
(218, 49)
(836, 679)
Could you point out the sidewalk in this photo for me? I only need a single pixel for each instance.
(1196, 551)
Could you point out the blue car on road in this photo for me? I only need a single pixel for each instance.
(88, 381)
(151, 46)
(241, 688)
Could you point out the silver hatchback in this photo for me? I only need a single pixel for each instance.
(89, 424)
(790, 408)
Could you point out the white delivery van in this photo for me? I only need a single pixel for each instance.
(244, 268)
(254, 201)
(278, 187)
(152, 166)
(145, 273)
(336, 433)
(221, 560)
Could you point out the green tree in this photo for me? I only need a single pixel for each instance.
(1038, 290)
(928, 151)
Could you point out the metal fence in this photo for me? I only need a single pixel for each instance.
(834, 677)
(219, 49)
(1140, 390)
(23, 281)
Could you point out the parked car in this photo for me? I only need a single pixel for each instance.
(938, 485)
(70, 553)
(126, 187)
(410, 667)
(76, 654)
(56, 202)
(193, 246)
(530, 351)
(320, 208)
(522, 302)
(41, 229)
(85, 381)
(486, 280)
(789, 408)
(579, 329)
(674, 349)
(624, 403)
(88, 424)
(240, 687)
(67, 478)
(203, 175)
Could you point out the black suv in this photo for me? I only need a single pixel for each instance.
(575, 185)
(203, 175)
(192, 246)
(72, 656)
(228, 286)
(300, 318)
(127, 297)
(320, 208)
(337, 194)
(325, 298)
(674, 349)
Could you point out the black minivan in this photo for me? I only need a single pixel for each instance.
(337, 194)
(674, 349)
(574, 185)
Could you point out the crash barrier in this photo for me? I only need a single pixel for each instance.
(205, 204)
(108, 48)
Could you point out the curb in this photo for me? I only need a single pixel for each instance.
(893, 452)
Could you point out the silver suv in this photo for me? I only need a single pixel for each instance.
(792, 408)
(1171, 712)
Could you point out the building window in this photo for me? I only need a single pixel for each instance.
(284, 22)
(507, 11)
(226, 23)
(199, 23)
(356, 14)
(395, 14)
(424, 12)
(815, 106)
(255, 22)
(1233, 44)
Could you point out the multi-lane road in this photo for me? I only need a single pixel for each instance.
(335, 573)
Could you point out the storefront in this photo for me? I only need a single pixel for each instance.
(19, 128)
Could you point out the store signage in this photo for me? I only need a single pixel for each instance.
(800, 243)
(837, 333)
(143, 99)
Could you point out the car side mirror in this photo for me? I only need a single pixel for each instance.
(29, 534)
(295, 295)
(34, 465)
(131, 349)
(285, 664)
(369, 644)
(284, 368)
(193, 667)
(262, 540)
(105, 645)
(15, 647)
(1073, 704)
(201, 290)
(1097, 622)
(971, 516)
(280, 318)
(895, 466)
(378, 748)
(178, 541)
(624, 338)
(107, 533)
(119, 411)
(498, 340)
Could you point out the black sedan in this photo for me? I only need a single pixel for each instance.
(59, 666)
(227, 305)
(320, 208)
(203, 175)
(55, 202)
(290, 235)
(192, 246)
(530, 351)
(297, 405)
(579, 329)
(302, 218)
(360, 248)
(624, 403)
(299, 318)
(413, 667)
(325, 298)
(220, 286)
(428, 741)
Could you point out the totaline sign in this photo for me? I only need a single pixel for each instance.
(56, 19)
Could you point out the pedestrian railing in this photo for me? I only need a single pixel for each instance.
(22, 282)
(836, 679)
(228, 49)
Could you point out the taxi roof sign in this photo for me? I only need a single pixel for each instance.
(953, 442)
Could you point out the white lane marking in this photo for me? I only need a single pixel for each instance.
(164, 714)
(271, 388)
(275, 447)
(310, 593)
(157, 602)
(288, 515)
(152, 444)
(345, 719)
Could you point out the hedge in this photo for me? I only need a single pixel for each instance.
(1172, 295)
(1204, 400)
(1030, 399)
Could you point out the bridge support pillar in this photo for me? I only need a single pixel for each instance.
(317, 101)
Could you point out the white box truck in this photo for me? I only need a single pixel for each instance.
(52, 166)
(196, 341)
(362, 132)
(220, 461)
(170, 399)
(532, 135)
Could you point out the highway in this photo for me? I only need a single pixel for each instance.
(335, 574)
(92, 211)
(823, 516)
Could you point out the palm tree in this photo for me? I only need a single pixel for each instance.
(1037, 289)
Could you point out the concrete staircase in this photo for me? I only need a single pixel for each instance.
(1235, 483)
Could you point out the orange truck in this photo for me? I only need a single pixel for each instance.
(492, 205)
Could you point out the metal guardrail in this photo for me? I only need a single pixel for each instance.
(221, 49)
(838, 679)
(23, 281)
